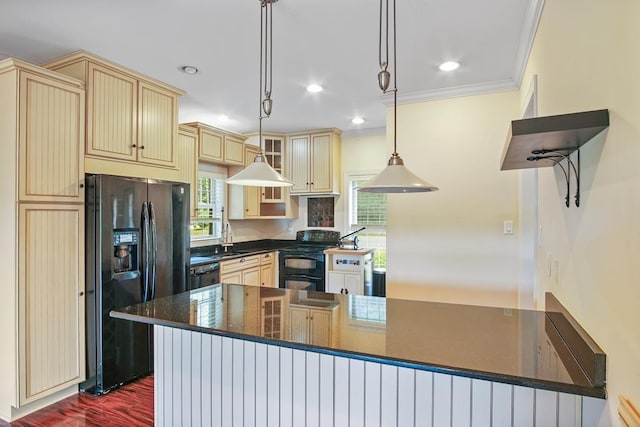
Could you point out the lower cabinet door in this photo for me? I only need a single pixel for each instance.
(298, 325)
(251, 276)
(320, 327)
(51, 351)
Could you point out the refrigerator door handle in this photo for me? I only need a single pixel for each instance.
(154, 250)
(145, 251)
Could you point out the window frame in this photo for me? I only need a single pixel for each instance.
(216, 173)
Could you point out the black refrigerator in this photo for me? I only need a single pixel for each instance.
(137, 249)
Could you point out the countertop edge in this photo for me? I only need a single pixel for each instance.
(596, 392)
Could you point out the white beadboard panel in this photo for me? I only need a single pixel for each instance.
(441, 400)
(342, 395)
(273, 386)
(158, 378)
(216, 380)
(313, 390)
(249, 387)
(593, 410)
(424, 399)
(261, 385)
(356, 393)
(523, 406)
(569, 410)
(237, 382)
(186, 375)
(461, 398)
(501, 404)
(546, 414)
(389, 395)
(208, 380)
(286, 387)
(176, 368)
(480, 403)
(406, 396)
(227, 382)
(372, 372)
(196, 379)
(299, 386)
(325, 406)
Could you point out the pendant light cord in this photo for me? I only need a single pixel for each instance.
(384, 27)
(395, 85)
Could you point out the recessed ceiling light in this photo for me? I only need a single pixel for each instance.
(449, 66)
(357, 120)
(314, 88)
(188, 69)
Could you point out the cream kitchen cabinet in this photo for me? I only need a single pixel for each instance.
(241, 271)
(313, 162)
(42, 210)
(313, 325)
(130, 117)
(218, 146)
(187, 162)
(267, 270)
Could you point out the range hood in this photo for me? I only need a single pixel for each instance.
(564, 133)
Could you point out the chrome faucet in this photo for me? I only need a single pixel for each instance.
(227, 238)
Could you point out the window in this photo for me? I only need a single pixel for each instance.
(369, 309)
(210, 198)
(369, 210)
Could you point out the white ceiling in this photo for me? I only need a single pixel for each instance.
(331, 42)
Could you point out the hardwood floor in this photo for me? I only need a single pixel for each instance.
(130, 406)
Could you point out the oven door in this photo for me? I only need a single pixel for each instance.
(302, 282)
(302, 271)
(302, 264)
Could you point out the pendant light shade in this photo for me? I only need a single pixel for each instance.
(260, 173)
(396, 177)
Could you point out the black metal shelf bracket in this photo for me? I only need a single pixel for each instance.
(557, 157)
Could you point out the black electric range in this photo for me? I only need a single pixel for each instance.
(302, 266)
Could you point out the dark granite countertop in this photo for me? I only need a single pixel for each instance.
(521, 347)
(216, 253)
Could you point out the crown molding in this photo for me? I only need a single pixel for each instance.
(450, 92)
(527, 36)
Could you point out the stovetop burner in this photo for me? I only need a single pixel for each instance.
(316, 237)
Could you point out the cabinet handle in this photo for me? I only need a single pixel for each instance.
(310, 317)
(81, 185)
(346, 291)
(267, 256)
(133, 145)
(81, 293)
(242, 259)
(142, 147)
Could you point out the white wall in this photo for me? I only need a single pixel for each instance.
(449, 245)
(587, 56)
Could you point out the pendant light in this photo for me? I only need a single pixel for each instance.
(260, 173)
(396, 177)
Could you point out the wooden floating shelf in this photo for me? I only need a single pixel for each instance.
(563, 133)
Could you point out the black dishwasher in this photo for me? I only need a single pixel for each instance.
(205, 274)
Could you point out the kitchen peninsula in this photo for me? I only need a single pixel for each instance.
(228, 353)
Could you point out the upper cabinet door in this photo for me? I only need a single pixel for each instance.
(157, 125)
(51, 140)
(298, 165)
(233, 151)
(112, 99)
(321, 164)
(211, 146)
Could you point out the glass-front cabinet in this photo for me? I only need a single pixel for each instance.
(273, 152)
